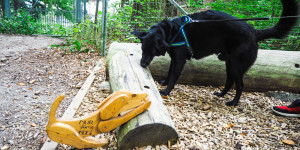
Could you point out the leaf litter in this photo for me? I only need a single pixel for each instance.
(203, 121)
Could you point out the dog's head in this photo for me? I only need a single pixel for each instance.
(153, 44)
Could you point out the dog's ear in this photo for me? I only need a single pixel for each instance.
(139, 34)
(161, 47)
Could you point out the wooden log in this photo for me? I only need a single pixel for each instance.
(273, 70)
(154, 126)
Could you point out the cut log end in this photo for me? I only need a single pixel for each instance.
(150, 134)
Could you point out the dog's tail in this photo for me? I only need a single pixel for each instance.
(287, 21)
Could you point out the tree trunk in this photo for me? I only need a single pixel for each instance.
(154, 126)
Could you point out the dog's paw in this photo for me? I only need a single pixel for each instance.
(163, 82)
(164, 93)
(232, 103)
(218, 94)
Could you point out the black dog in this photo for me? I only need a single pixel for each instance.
(235, 42)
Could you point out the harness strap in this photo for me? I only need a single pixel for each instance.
(181, 30)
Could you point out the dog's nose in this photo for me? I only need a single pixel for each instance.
(144, 65)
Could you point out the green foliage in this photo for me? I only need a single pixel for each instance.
(132, 15)
(13, 25)
(77, 45)
(30, 26)
(87, 34)
(65, 5)
(61, 4)
(54, 30)
(85, 38)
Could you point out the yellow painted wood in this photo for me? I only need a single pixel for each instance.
(66, 134)
(106, 126)
(74, 132)
(135, 101)
(77, 132)
(109, 109)
(85, 127)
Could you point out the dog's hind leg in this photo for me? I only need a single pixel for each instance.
(229, 80)
(239, 66)
(239, 90)
(236, 73)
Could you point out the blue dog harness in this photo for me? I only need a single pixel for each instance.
(187, 20)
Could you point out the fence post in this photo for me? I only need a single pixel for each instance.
(84, 9)
(78, 11)
(7, 8)
(104, 26)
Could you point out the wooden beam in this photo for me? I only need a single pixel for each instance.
(71, 110)
(154, 126)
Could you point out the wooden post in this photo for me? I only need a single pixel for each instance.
(154, 126)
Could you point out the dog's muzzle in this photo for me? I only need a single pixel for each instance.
(144, 65)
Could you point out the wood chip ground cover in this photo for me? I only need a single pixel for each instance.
(31, 80)
(203, 121)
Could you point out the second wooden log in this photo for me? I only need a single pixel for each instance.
(273, 70)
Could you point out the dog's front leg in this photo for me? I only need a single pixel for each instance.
(166, 81)
(173, 76)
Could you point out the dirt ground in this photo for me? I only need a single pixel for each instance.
(32, 75)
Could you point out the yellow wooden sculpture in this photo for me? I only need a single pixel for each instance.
(78, 132)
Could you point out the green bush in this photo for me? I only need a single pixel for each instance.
(125, 18)
(85, 37)
(19, 23)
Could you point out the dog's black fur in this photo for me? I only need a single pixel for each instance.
(235, 42)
